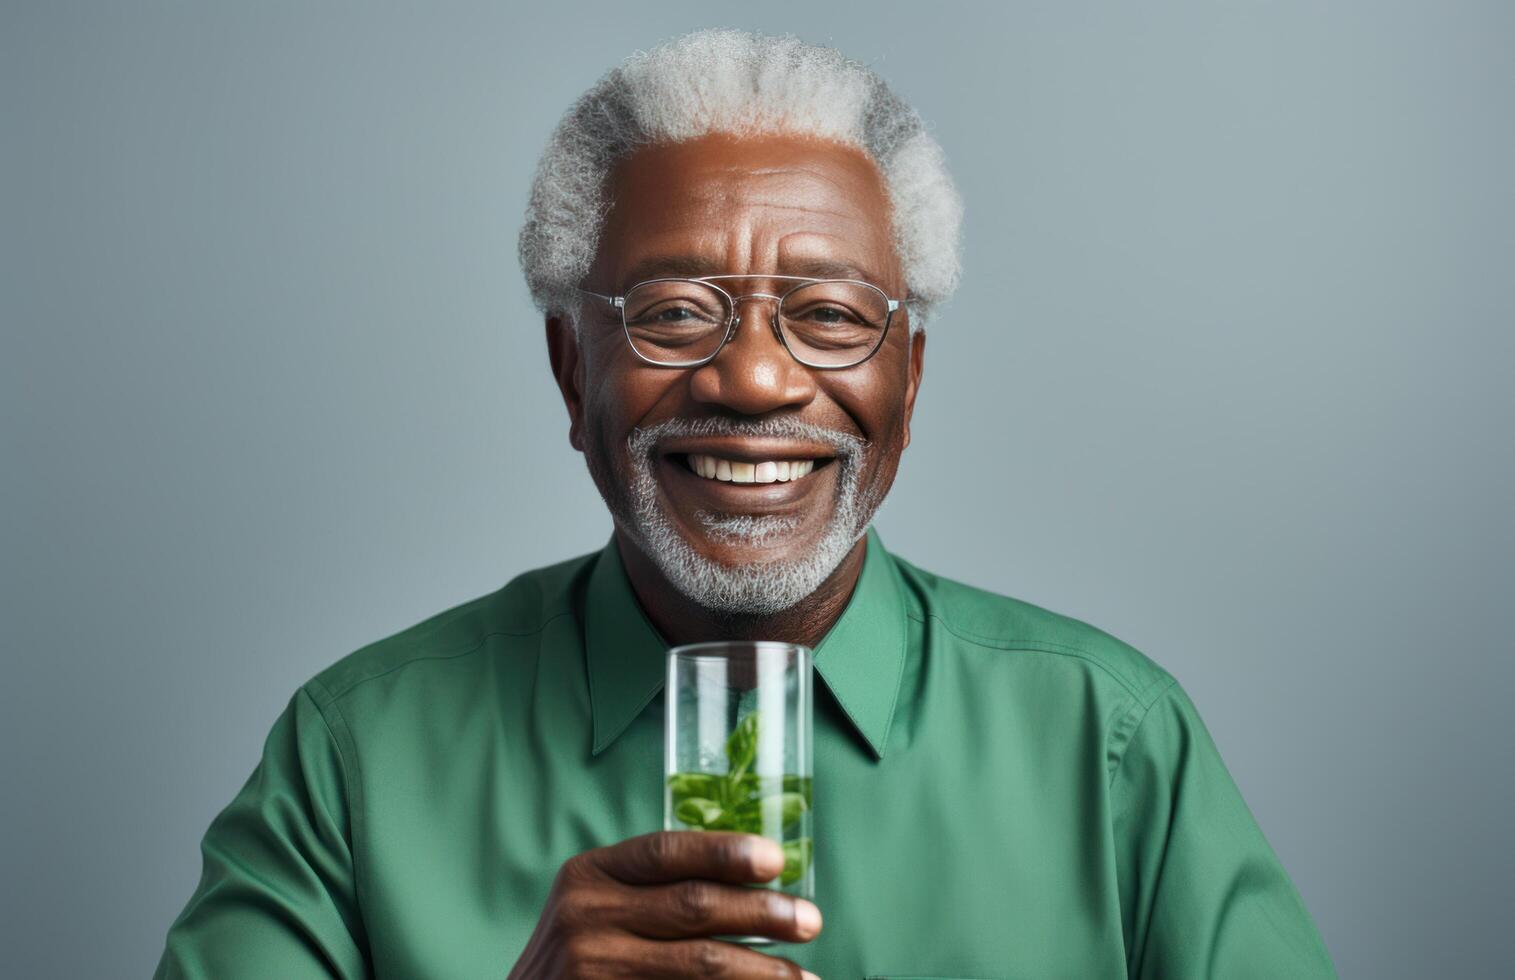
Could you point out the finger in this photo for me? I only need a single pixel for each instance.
(707, 959)
(695, 907)
(672, 855)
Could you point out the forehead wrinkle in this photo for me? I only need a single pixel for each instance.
(720, 221)
(740, 248)
(788, 206)
(783, 192)
(798, 185)
(735, 217)
(846, 189)
(779, 220)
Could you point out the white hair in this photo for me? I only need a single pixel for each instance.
(736, 82)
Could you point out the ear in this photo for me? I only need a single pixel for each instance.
(913, 381)
(567, 370)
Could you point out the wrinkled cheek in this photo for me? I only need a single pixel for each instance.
(605, 459)
(604, 416)
(878, 475)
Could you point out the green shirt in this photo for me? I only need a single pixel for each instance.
(1000, 791)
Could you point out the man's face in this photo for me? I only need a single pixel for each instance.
(762, 206)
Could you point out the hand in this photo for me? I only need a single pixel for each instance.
(640, 907)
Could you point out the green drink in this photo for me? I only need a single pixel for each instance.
(772, 806)
(738, 750)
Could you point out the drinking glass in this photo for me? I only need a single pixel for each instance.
(738, 750)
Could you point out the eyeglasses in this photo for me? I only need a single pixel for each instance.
(822, 323)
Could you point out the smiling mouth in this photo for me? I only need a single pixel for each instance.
(742, 471)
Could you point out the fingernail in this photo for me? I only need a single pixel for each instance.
(809, 975)
(807, 918)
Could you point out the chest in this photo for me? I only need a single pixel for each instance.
(948, 858)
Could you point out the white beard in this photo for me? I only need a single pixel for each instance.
(758, 588)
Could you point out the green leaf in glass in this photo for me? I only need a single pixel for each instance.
(741, 746)
(698, 812)
(791, 806)
(686, 784)
(800, 785)
(796, 860)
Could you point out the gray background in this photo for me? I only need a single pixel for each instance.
(1228, 377)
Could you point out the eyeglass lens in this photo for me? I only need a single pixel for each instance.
(824, 324)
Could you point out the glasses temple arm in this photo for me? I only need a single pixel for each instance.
(617, 301)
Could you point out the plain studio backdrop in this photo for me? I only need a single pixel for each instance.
(1229, 376)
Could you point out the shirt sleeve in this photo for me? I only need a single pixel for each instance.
(1202, 893)
(277, 896)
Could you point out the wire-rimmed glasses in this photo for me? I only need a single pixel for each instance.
(822, 323)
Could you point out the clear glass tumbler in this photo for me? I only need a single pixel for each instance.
(738, 751)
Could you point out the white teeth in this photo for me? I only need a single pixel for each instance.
(736, 471)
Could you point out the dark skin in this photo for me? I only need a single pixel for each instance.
(719, 205)
(770, 205)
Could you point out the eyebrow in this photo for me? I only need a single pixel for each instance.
(827, 269)
(692, 266)
(658, 266)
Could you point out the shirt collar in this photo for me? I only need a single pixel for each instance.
(861, 659)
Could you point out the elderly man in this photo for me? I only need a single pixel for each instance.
(736, 242)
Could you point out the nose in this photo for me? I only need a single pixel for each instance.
(754, 373)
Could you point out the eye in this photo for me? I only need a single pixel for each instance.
(675, 314)
(826, 315)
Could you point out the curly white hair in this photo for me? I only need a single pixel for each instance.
(729, 81)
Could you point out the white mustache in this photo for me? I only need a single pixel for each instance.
(645, 442)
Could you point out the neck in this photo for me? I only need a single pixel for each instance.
(681, 620)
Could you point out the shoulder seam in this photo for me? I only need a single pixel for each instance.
(351, 783)
(443, 656)
(1146, 712)
(1038, 646)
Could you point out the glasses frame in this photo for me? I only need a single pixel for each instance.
(732, 321)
